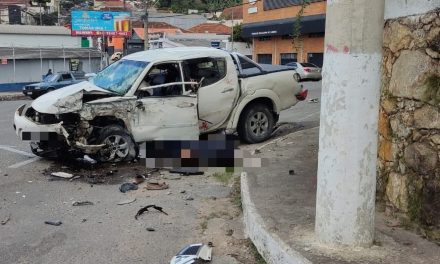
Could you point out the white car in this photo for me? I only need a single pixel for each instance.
(165, 94)
(306, 71)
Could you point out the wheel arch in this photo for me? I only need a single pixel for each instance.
(266, 97)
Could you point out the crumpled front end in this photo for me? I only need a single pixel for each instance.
(53, 132)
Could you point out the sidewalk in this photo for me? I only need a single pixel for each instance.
(279, 212)
(12, 96)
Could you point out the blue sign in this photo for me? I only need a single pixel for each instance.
(215, 44)
(98, 23)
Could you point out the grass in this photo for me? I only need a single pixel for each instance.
(432, 92)
(223, 177)
(258, 258)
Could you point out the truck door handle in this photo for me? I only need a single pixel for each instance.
(227, 90)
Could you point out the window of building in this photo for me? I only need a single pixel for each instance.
(316, 58)
(264, 58)
(316, 35)
(287, 57)
(264, 38)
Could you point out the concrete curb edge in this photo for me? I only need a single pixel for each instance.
(270, 246)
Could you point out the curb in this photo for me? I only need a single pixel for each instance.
(13, 97)
(270, 246)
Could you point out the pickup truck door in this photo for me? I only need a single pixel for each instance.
(165, 116)
(218, 91)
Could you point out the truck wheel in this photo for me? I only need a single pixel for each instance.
(120, 146)
(256, 123)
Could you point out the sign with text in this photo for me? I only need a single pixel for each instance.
(101, 23)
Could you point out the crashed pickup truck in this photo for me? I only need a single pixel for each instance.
(166, 94)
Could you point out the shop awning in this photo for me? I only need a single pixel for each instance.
(282, 27)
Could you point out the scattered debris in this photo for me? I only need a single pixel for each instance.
(6, 220)
(128, 186)
(314, 100)
(82, 203)
(84, 220)
(5, 174)
(171, 177)
(189, 198)
(169, 193)
(192, 253)
(74, 178)
(139, 179)
(145, 209)
(61, 174)
(229, 232)
(150, 229)
(291, 172)
(127, 201)
(187, 171)
(54, 223)
(183, 191)
(157, 186)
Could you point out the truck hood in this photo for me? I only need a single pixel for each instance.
(67, 99)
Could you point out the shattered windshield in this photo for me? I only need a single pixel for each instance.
(119, 76)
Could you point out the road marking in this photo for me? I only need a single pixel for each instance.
(18, 165)
(8, 148)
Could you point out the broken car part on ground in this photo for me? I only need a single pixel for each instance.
(166, 94)
(145, 209)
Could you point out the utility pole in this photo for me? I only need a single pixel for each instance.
(346, 188)
(41, 16)
(232, 33)
(146, 42)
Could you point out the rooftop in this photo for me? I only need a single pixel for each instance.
(34, 30)
(235, 12)
(211, 28)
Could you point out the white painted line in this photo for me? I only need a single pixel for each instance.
(20, 164)
(8, 148)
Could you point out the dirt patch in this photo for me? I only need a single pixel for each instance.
(220, 222)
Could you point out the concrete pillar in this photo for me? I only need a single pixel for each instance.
(346, 187)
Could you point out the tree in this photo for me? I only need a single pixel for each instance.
(237, 34)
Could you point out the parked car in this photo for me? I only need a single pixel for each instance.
(306, 71)
(166, 94)
(52, 82)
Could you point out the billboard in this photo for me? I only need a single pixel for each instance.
(101, 23)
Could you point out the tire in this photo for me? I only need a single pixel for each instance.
(120, 145)
(256, 123)
(297, 77)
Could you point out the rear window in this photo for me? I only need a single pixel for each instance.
(309, 65)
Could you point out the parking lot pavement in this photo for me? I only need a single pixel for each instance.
(106, 232)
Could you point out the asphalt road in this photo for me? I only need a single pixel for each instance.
(104, 232)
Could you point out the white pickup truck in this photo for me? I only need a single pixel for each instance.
(165, 94)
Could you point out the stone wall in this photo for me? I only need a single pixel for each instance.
(409, 123)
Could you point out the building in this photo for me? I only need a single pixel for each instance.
(270, 25)
(27, 52)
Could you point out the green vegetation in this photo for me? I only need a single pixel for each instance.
(432, 92)
(258, 258)
(223, 177)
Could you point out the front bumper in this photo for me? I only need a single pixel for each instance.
(34, 92)
(27, 129)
